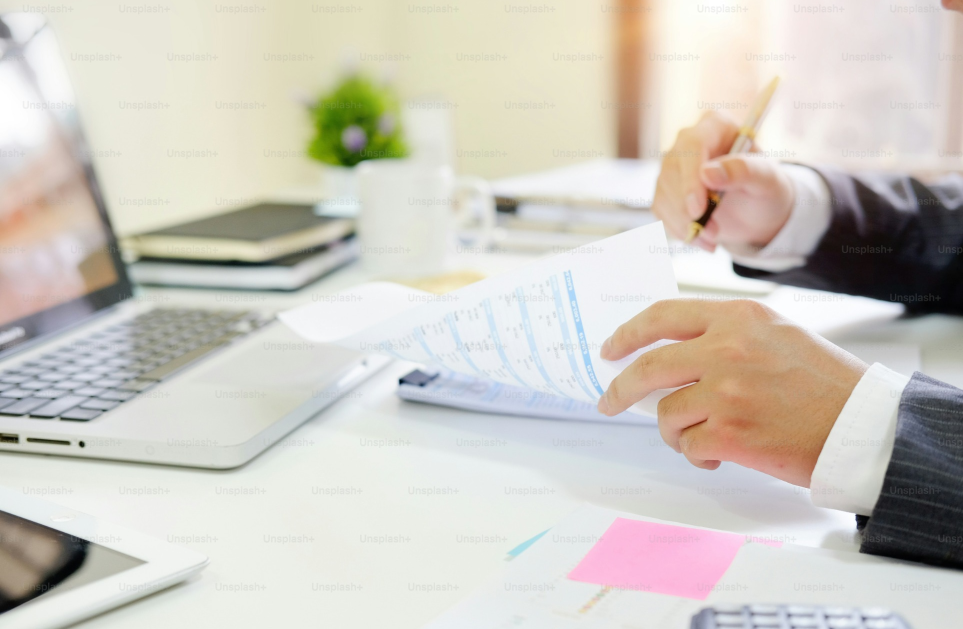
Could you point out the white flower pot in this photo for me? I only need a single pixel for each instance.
(340, 184)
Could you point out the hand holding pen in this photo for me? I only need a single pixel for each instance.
(742, 144)
(758, 193)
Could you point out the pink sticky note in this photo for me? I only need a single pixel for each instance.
(661, 558)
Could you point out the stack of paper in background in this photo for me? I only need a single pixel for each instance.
(269, 246)
(575, 204)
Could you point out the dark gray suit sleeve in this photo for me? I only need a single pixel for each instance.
(892, 238)
(919, 514)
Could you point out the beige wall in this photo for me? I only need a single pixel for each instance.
(177, 138)
(530, 88)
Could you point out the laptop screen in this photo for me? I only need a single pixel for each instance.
(59, 261)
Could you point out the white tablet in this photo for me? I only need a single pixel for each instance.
(59, 566)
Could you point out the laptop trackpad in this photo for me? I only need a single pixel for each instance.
(276, 359)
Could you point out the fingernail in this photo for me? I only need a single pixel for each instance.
(606, 347)
(714, 174)
(692, 206)
(603, 406)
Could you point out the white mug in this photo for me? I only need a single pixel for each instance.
(411, 213)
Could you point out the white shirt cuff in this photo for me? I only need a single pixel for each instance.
(852, 465)
(808, 221)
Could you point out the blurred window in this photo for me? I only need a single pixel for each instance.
(864, 82)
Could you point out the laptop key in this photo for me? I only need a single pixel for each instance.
(122, 374)
(6, 401)
(100, 405)
(86, 377)
(168, 369)
(15, 378)
(120, 396)
(89, 391)
(53, 376)
(107, 383)
(55, 408)
(34, 385)
(5, 386)
(16, 393)
(50, 394)
(81, 414)
(69, 385)
(103, 354)
(24, 406)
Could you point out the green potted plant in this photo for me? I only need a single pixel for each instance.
(358, 120)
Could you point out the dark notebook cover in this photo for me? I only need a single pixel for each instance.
(256, 223)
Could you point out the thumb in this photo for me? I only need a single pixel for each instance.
(744, 172)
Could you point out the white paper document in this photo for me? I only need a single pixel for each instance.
(540, 327)
(458, 390)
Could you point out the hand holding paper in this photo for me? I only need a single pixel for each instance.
(540, 327)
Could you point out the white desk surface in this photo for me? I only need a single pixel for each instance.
(334, 527)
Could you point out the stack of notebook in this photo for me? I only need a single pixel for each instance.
(269, 246)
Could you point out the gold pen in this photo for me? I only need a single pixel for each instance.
(747, 135)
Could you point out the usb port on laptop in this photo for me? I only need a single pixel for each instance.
(8, 438)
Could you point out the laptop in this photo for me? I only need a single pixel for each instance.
(87, 369)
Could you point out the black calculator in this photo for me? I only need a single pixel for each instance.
(796, 617)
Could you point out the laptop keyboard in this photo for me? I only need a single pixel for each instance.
(83, 379)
